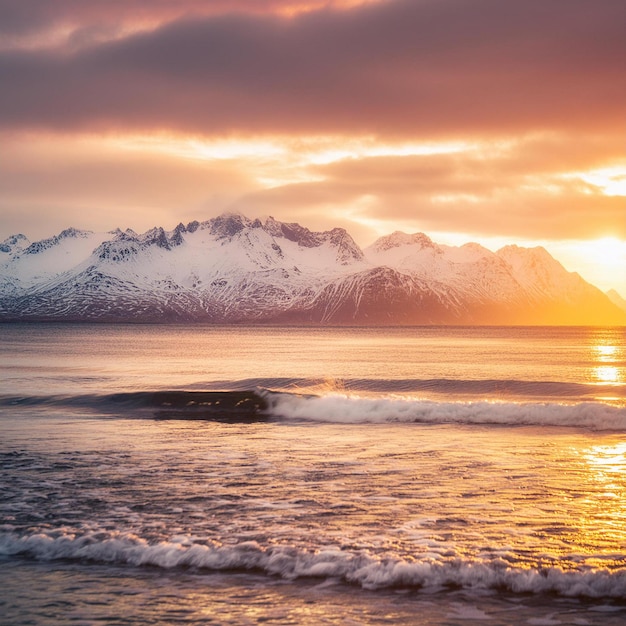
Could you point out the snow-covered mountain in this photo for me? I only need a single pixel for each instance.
(231, 269)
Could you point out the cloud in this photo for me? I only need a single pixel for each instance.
(430, 68)
(34, 16)
(49, 184)
(531, 189)
(307, 110)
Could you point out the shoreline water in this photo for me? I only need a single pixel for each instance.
(372, 498)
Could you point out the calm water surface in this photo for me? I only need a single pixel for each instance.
(397, 476)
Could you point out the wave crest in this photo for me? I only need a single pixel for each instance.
(360, 567)
(331, 407)
(348, 409)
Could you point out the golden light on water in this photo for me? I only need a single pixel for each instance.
(608, 458)
(604, 519)
(608, 368)
(607, 374)
(606, 351)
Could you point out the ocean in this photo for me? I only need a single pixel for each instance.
(244, 475)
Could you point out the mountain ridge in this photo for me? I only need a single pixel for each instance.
(232, 269)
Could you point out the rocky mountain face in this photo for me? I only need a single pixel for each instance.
(231, 269)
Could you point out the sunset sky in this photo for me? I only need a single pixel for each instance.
(487, 120)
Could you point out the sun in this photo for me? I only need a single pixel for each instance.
(609, 252)
(606, 258)
(602, 261)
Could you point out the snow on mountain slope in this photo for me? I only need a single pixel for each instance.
(379, 296)
(537, 271)
(514, 285)
(233, 269)
(237, 268)
(225, 269)
(25, 265)
(224, 247)
(471, 269)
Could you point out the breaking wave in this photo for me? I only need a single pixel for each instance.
(353, 567)
(352, 410)
(260, 404)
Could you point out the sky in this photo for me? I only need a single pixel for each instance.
(497, 121)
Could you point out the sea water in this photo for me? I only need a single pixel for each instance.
(237, 475)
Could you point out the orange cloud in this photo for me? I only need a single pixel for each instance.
(526, 188)
(534, 188)
(87, 182)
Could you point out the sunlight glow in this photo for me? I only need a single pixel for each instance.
(317, 150)
(599, 261)
(604, 352)
(607, 256)
(607, 374)
(277, 161)
(608, 251)
(609, 362)
(296, 8)
(607, 469)
(608, 458)
(612, 180)
(368, 148)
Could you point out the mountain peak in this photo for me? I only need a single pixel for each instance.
(530, 259)
(157, 237)
(347, 249)
(231, 269)
(293, 232)
(399, 239)
(124, 235)
(14, 243)
(228, 225)
(73, 232)
(46, 244)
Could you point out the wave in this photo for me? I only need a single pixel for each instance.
(215, 405)
(354, 567)
(346, 408)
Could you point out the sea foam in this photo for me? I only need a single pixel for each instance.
(359, 567)
(351, 409)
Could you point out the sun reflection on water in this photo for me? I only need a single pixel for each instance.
(608, 458)
(605, 519)
(604, 352)
(607, 374)
(608, 361)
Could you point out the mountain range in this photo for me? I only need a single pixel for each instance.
(231, 269)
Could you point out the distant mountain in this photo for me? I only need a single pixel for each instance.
(231, 269)
(616, 299)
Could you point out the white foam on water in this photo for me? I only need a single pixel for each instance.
(351, 409)
(361, 568)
